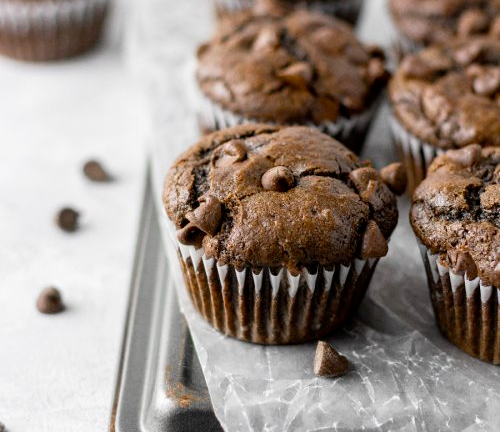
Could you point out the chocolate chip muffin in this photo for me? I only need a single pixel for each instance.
(278, 229)
(426, 22)
(347, 10)
(298, 69)
(42, 30)
(456, 217)
(445, 97)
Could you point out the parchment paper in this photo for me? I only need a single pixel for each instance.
(405, 377)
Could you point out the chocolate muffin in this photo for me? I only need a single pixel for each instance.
(456, 217)
(347, 10)
(278, 230)
(426, 22)
(42, 30)
(445, 97)
(303, 68)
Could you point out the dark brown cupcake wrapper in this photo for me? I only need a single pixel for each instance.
(349, 131)
(272, 306)
(48, 30)
(415, 154)
(467, 311)
(348, 10)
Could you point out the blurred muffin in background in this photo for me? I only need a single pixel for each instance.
(424, 22)
(347, 10)
(43, 30)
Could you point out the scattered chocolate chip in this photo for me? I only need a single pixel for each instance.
(461, 261)
(298, 74)
(94, 171)
(230, 153)
(279, 179)
(190, 235)
(467, 156)
(394, 176)
(373, 244)
(67, 219)
(207, 217)
(360, 177)
(487, 83)
(50, 301)
(472, 21)
(267, 40)
(328, 362)
(413, 66)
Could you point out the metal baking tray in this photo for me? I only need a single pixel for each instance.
(160, 385)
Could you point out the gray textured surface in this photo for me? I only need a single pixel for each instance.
(406, 377)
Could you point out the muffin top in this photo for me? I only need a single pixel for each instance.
(260, 195)
(296, 68)
(449, 95)
(435, 21)
(456, 211)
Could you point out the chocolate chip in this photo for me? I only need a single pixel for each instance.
(328, 362)
(202, 49)
(361, 176)
(461, 261)
(230, 153)
(298, 74)
(467, 156)
(472, 21)
(67, 219)
(207, 217)
(267, 40)
(413, 66)
(487, 83)
(190, 235)
(50, 301)
(394, 176)
(468, 53)
(279, 179)
(373, 244)
(94, 171)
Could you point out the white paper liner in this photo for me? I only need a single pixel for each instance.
(467, 311)
(349, 131)
(346, 9)
(272, 306)
(416, 155)
(18, 16)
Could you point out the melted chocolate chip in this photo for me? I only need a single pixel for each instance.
(67, 219)
(230, 153)
(50, 301)
(298, 74)
(361, 177)
(190, 235)
(278, 179)
(467, 156)
(95, 172)
(207, 217)
(394, 176)
(267, 40)
(374, 244)
(461, 262)
(328, 362)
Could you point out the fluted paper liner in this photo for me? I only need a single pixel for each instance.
(415, 154)
(272, 306)
(48, 30)
(349, 131)
(467, 311)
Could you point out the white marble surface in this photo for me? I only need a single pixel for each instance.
(57, 372)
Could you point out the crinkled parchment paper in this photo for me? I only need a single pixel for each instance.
(405, 376)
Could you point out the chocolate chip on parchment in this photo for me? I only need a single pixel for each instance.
(50, 301)
(461, 261)
(467, 156)
(278, 179)
(67, 219)
(394, 176)
(95, 172)
(328, 362)
(373, 244)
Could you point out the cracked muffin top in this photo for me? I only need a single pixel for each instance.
(435, 21)
(456, 211)
(302, 67)
(260, 195)
(449, 95)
